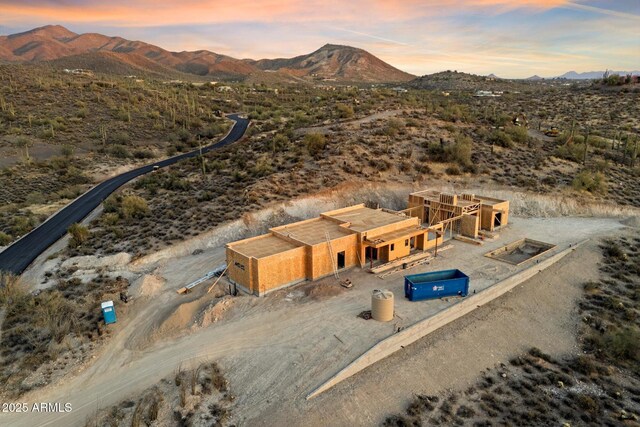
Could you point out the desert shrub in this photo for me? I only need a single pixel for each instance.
(5, 239)
(79, 234)
(133, 207)
(465, 412)
(23, 224)
(587, 403)
(35, 198)
(67, 150)
(412, 123)
(422, 404)
(143, 154)
(600, 165)
(344, 111)
(455, 113)
(47, 133)
(279, 142)
(453, 170)
(11, 289)
(60, 163)
(501, 139)
(112, 203)
(261, 168)
(623, 344)
(315, 143)
(380, 165)
(218, 380)
(393, 127)
(574, 152)
(174, 183)
(120, 137)
(219, 412)
(612, 250)
(584, 364)
(120, 151)
(519, 134)
(110, 218)
(400, 421)
(460, 150)
(536, 352)
(598, 142)
(590, 181)
(613, 80)
(184, 135)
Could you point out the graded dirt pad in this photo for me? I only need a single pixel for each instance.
(278, 348)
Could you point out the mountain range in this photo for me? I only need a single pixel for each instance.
(588, 75)
(55, 43)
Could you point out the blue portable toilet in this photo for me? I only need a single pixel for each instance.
(108, 312)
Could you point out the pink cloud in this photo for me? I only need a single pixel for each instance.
(165, 12)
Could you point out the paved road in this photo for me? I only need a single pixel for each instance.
(17, 257)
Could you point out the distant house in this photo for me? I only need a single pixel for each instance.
(79, 72)
(485, 93)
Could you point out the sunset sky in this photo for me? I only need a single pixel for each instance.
(509, 38)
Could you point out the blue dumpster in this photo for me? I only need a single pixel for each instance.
(108, 312)
(436, 284)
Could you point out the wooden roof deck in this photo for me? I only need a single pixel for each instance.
(262, 246)
(363, 219)
(313, 231)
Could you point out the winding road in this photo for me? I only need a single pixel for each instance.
(17, 257)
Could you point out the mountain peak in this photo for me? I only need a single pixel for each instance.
(57, 32)
(337, 62)
(331, 46)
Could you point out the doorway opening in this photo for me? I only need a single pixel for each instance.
(341, 259)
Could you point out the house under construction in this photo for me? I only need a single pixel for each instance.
(464, 214)
(356, 236)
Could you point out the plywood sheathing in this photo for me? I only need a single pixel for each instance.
(312, 231)
(286, 267)
(364, 220)
(469, 226)
(490, 209)
(262, 246)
